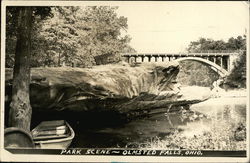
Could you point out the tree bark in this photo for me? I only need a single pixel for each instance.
(20, 108)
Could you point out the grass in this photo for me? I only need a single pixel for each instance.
(207, 134)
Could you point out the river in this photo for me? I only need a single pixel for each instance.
(218, 123)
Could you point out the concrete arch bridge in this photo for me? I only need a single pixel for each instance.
(221, 62)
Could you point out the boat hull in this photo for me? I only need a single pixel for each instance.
(55, 145)
(61, 143)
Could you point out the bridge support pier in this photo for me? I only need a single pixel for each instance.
(214, 59)
(232, 59)
(221, 62)
(127, 59)
(152, 59)
(138, 59)
(145, 59)
(131, 59)
(163, 58)
(225, 62)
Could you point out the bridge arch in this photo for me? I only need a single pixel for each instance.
(221, 71)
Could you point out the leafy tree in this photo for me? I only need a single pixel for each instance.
(75, 36)
(38, 15)
(23, 18)
(195, 73)
(103, 36)
(51, 36)
(11, 34)
(204, 44)
(238, 43)
(237, 77)
(58, 37)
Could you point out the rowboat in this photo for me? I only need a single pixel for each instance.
(53, 135)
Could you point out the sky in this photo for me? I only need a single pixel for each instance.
(170, 26)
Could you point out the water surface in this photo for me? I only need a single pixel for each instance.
(211, 115)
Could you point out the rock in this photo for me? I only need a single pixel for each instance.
(121, 88)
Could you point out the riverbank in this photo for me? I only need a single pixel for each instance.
(223, 126)
(216, 135)
(214, 124)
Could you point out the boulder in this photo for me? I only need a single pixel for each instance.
(122, 88)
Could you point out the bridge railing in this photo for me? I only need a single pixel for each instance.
(216, 51)
(202, 52)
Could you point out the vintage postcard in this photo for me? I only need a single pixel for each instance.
(124, 81)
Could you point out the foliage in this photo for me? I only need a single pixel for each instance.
(237, 77)
(211, 136)
(71, 35)
(57, 37)
(103, 37)
(216, 139)
(39, 14)
(23, 18)
(195, 73)
(204, 44)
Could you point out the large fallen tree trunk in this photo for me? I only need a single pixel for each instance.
(121, 88)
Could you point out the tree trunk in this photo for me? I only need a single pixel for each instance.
(59, 58)
(20, 108)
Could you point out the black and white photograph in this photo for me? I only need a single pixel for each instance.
(152, 81)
